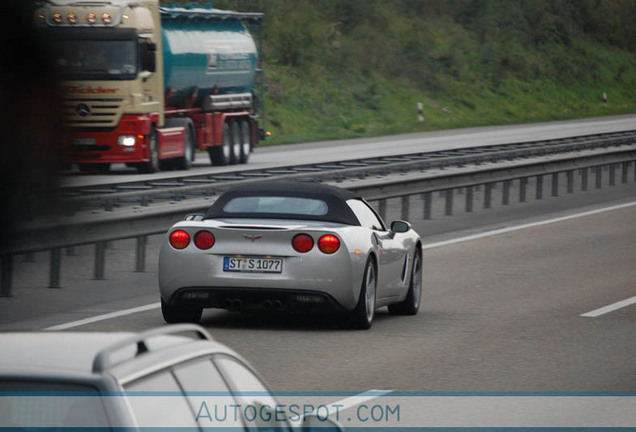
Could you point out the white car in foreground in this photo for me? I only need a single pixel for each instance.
(157, 379)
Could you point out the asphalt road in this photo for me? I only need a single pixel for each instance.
(499, 313)
(338, 150)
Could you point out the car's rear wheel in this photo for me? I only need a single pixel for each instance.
(362, 316)
(411, 303)
(174, 314)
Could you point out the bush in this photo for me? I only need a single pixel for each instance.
(340, 68)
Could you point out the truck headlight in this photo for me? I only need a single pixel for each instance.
(126, 140)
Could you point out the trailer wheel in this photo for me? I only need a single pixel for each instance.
(237, 144)
(220, 155)
(152, 165)
(246, 141)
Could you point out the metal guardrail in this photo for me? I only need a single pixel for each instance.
(194, 185)
(139, 222)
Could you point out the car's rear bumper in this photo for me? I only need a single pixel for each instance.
(251, 299)
(337, 277)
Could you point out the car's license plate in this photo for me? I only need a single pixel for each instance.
(253, 265)
(84, 141)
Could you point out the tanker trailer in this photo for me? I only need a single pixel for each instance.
(146, 85)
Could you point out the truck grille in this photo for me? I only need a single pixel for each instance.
(92, 112)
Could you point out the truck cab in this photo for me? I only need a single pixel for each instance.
(118, 98)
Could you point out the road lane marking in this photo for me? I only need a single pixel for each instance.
(104, 317)
(526, 226)
(349, 402)
(360, 398)
(426, 246)
(610, 308)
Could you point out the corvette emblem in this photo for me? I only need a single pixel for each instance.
(252, 237)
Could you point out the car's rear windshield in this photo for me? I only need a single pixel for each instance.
(34, 404)
(276, 205)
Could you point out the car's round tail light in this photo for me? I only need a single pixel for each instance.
(204, 240)
(179, 239)
(302, 243)
(329, 244)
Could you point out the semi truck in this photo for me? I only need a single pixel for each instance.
(147, 84)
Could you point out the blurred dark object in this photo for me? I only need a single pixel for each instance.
(31, 119)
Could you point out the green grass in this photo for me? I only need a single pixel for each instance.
(353, 68)
(319, 104)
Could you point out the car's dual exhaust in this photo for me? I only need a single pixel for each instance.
(273, 304)
(233, 304)
(237, 304)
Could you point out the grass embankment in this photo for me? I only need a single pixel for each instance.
(352, 68)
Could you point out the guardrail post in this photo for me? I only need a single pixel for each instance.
(624, 171)
(140, 261)
(583, 179)
(488, 195)
(382, 208)
(570, 179)
(539, 192)
(100, 260)
(427, 204)
(405, 207)
(469, 199)
(505, 199)
(612, 175)
(523, 186)
(599, 177)
(448, 208)
(7, 276)
(555, 184)
(55, 268)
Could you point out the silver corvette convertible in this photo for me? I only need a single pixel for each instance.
(295, 247)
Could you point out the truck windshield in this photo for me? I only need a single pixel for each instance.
(96, 59)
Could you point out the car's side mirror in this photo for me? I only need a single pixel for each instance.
(194, 217)
(400, 226)
(313, 423)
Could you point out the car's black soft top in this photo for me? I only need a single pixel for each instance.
(338, 210)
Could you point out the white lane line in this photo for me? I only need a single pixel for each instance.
(526, 226)
(428, 246)
(349, 402)
(610, 308)
(105, 317)
(352, 401)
